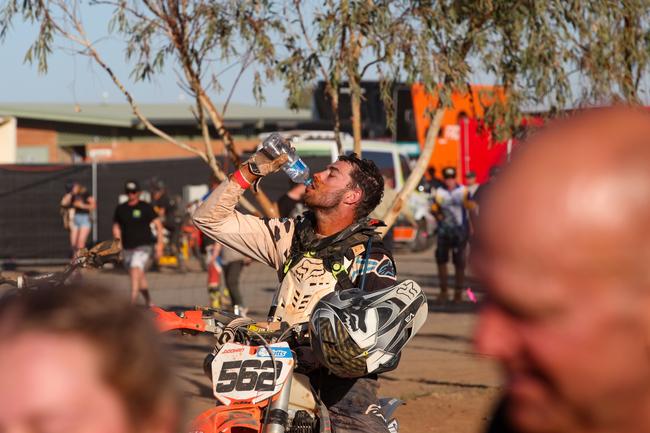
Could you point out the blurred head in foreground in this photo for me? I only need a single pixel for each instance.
(80, 360)
(566, 262)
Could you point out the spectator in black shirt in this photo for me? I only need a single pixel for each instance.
(132, 224)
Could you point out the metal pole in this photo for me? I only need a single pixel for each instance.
(278, 410)
(94, 212)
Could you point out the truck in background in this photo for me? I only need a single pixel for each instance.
(464, 141)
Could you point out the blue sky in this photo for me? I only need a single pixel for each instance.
(75, 79)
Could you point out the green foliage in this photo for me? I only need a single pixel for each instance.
(35, 13)
(303, 100)
(552, 54)
(339, 42)
(197, 37)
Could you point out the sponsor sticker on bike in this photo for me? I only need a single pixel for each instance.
(243, 373)
(278, 352)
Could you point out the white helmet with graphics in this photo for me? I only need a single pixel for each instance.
(355, 333)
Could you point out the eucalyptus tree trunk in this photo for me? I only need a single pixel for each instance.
(356, 119)
(417, 172)
(334, 104)
(354, 79)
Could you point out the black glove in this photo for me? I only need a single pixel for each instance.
(307, 361)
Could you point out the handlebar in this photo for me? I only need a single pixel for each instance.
(215, 322)
(43, 280)
(34, 281)
(102, 253)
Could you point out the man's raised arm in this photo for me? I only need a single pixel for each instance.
(252, 236)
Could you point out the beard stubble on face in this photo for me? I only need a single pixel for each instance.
(324, 200)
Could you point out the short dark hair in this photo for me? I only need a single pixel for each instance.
(366, 176)
(134, 363)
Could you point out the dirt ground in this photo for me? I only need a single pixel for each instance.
(447, 387)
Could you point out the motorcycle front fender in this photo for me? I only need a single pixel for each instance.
(223, 419)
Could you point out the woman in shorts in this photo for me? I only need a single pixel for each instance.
(83, 204)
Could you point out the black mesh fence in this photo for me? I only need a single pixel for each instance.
(30, 223)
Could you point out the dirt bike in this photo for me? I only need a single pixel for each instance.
(254, 377)
(102, 253)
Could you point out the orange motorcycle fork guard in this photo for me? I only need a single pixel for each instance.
(229, 419)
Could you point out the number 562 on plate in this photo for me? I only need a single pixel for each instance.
(248, 374)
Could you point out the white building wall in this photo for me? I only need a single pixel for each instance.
(7, 140)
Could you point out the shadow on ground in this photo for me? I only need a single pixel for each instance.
(437, 382)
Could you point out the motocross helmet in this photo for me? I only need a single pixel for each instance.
(355, 333)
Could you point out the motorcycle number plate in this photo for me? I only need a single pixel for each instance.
(248, 374)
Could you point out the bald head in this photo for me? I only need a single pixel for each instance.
(563, 249)
(579, 190)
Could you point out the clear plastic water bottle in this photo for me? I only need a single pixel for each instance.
(274, 145)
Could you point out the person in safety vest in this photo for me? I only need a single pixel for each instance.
(326, 249)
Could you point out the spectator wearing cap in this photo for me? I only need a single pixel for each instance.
(450, 207)
(132, 225)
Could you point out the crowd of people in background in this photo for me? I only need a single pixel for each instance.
(150, 229)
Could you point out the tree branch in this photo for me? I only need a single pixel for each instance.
(207, 141)
(416, 173)
(329, 88)
(192, 77)
(244, 66)
(369, 64)
(92, 52)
